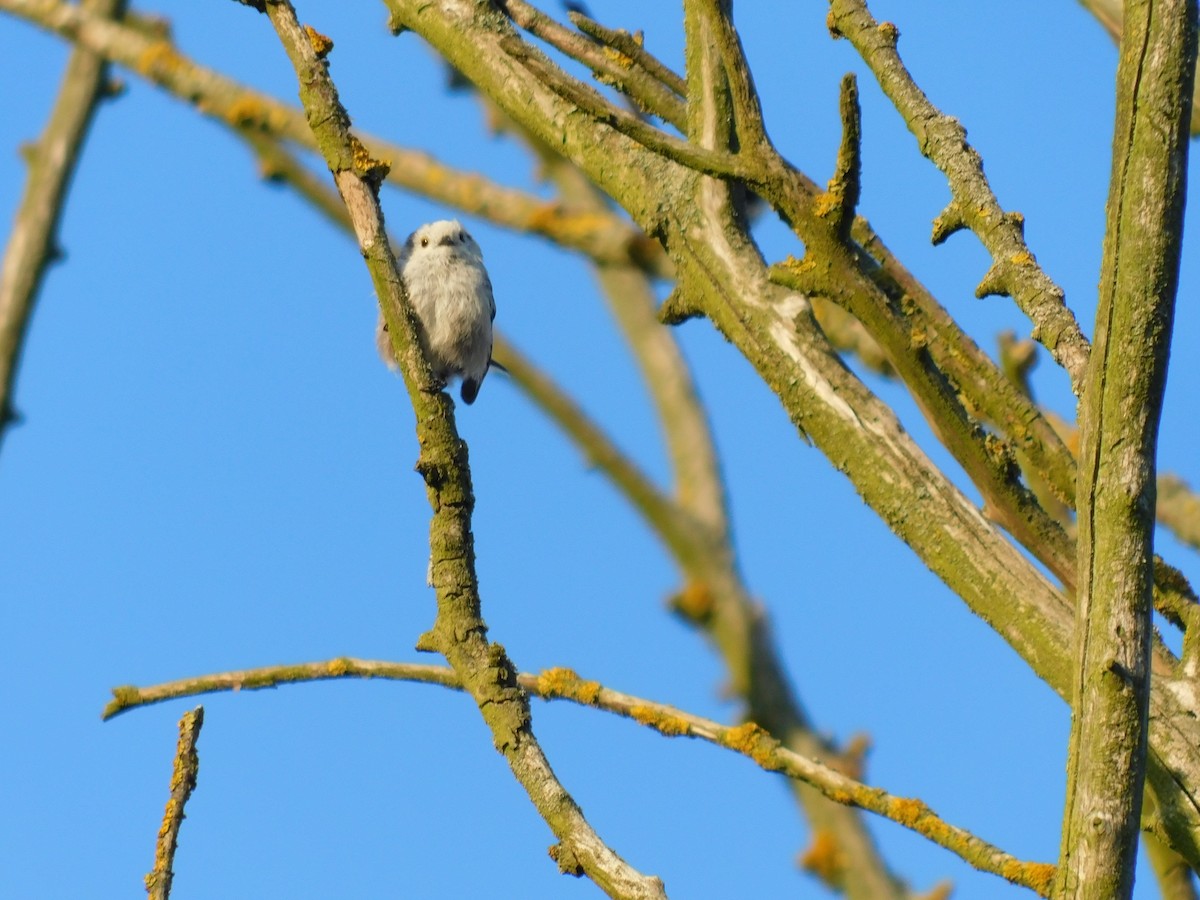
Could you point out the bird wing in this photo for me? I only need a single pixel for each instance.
(487, 286)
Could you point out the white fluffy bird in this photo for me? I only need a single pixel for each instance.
(451, 293)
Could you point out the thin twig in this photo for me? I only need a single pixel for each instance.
(52, 161)
(845, 187)
(617, 69)
(629, 45)
(943, 140)
(748, 739)
(183, 782)
(596, 105)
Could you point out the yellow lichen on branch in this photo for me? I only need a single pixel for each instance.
(563, 682)
(661, 721)
(320, 43)
(753, 741)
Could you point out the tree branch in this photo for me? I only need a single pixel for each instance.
(748, 739)
(630, 45)
(620, 70)
(944, 141)
(1119, 415)
(183, 782)
(604, 238)
(1175, 879)
(1111, 14)
(52, 161)
(459, 632)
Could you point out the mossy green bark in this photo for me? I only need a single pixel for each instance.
(1119, 413)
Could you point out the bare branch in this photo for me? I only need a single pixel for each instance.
(604, 238)
(846, 185)
(943, 140)
(1119, 415)
(630, 45)
(623, 121)
(459, 631)
(748, 739)
(52, 160)
(183, 782)
(623, 72)
(1175, 879)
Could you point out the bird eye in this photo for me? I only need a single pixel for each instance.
(424, 242)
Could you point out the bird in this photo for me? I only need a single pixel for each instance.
(450, 292)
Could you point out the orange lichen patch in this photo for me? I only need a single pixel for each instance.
(824, 858)
(562, 682)
(338, 667)
(839, 796)
(321, 45)
(825, 203)
(158, 60)
(1024, 258)
(555, 682)
(907, 811)
(752, 741)
(664, 722)
(616, 56)
(365, 165)
(694, 602)
(549, 219)
(889, 31)
(1041, 877)
(564, 857)
(1038, 877)
(544, 217)
(246, 110)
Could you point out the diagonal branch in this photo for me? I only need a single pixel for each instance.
(599, 108)
(618, 69)
(1179, 509)
(150, 55)
(748, 739)
(630, 45)
(459, 632)
(943, 140)
(52, 160)
(724, 116)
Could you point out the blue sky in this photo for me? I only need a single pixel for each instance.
(215, 472)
